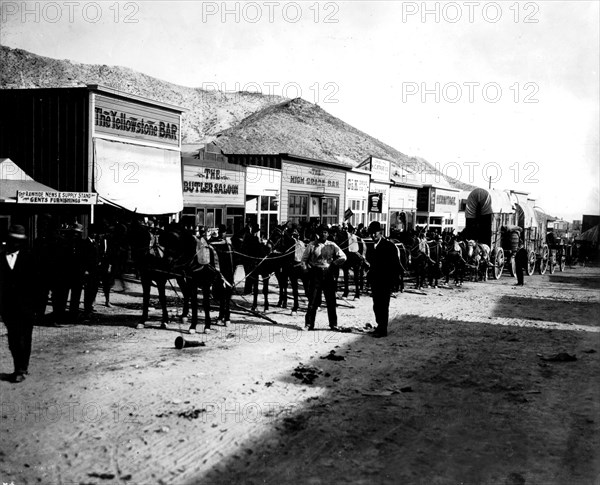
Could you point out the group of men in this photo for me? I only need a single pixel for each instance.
(321, 258)
(59, 263)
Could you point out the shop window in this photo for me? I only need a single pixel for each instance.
(298, 208)
(329, 210)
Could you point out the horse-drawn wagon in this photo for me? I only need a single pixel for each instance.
(492, 220)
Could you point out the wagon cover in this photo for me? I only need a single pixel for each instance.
(482, 202)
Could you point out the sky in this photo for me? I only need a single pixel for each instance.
(503, 90)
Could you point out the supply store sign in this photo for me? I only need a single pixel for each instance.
(380, 169)
(208, 185)
(44, 197)
(125, 119)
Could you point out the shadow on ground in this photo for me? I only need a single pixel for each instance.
(436, 402)
(548, 309)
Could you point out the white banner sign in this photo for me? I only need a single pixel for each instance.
(44, 197)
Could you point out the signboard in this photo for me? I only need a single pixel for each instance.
(209, 185)
(432, 200)
(126, 119)
(296, 176)
(45, 197)
(380, 169)
(357, 185)
(375, 202)
(348, 214)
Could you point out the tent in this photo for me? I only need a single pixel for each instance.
(13, 179)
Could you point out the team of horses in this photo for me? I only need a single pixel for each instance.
(176, 253)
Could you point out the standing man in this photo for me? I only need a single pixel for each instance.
(17, 276)
(223, 287)
(383, 276)
(319, 257)
(521, 262)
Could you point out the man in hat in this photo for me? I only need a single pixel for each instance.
(521, 261)
(223, 287)
(17, 309)
(383, 275)
(320, 258)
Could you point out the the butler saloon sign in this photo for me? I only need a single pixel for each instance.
(375, 202)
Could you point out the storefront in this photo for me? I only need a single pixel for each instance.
(437, 207)
(94, 139)
(312, 190)
(262, 190)
(379, 190)
(357, 197)
(213, 192)
(403, 203)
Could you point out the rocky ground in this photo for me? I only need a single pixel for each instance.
(474, 385)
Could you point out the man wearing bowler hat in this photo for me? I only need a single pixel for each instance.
(384, 271)
(17, 277)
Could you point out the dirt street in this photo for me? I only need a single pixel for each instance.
(471, 386)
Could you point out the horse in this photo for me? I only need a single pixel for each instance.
(195, 265)
(436, 254)
(288, 249)
(355, 250)
(477, 258)
(259, 263)
(149, 257)
(454, 262)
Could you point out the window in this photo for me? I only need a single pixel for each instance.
(329, 210)
(298, 208)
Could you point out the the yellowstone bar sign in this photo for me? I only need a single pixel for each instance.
(44, 197)
(131, 120)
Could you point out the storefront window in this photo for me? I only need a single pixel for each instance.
(298, 208)
(329, 210)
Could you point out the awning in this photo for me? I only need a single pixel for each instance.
(482, 202)
(138, 178)
(13, 179)
(591, 235)
(526, 207)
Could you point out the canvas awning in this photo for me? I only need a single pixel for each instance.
(529, 218)
(591, 235)
(141, 179)
(13, 179)
(482, 202)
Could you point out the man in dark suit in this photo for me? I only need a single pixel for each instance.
(17, 298)
(521, 260)
(384, 271)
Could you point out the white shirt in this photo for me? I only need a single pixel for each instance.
(11, 258)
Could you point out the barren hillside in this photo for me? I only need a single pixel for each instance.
(239, 122)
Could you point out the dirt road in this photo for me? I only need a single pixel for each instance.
(460, 392)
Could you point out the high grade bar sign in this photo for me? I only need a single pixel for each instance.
(44, 197)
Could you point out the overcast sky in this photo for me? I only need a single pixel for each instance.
(502, 89)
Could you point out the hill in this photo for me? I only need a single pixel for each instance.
(240, 122)
(208, 112)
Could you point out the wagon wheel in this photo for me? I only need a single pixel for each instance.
(531, 262)
(513, 266)
(544, 257)
(498, 263)
(552, 262)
